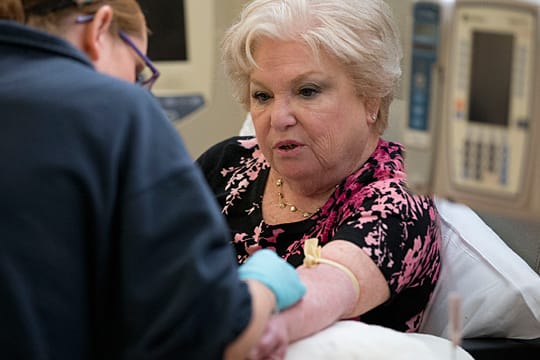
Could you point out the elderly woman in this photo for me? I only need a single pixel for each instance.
(317, 78)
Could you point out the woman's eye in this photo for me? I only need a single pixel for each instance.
(261, 97)
(308, 92)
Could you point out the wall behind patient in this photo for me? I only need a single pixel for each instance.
(222, 116)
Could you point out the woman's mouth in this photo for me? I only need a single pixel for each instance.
(288, 147)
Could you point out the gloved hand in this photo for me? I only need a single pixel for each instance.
(276, 274)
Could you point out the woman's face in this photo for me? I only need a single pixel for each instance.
(309, 121)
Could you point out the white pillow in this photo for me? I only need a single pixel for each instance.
(500, 293)
(350, 339)
(247, 127)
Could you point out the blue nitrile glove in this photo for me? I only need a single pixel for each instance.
(276, 274)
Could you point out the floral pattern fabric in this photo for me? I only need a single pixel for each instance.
(371, 208)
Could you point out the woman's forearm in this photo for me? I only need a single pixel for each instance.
(329, 297)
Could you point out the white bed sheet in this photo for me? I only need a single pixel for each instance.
(356, 340)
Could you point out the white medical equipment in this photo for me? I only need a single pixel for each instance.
(474, 85)
(470, 116)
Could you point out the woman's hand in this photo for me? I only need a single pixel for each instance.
(273, 344)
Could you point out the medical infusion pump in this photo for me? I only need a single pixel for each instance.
(474, 101)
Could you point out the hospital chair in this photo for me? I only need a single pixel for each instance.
(495, 276)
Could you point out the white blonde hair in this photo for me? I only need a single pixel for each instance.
(360, 34)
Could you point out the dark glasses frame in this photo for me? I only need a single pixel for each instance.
(148, 83)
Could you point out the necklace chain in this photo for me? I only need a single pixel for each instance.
(292, 208)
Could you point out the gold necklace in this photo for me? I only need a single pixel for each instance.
(293, 208)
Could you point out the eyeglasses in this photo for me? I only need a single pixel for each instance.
(150, 73)
(145, 78)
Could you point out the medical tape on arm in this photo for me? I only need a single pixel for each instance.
(312, 257)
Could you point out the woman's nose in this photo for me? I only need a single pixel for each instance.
(282, 114)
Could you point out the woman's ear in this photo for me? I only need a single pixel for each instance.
(372, 110)
(95, 33)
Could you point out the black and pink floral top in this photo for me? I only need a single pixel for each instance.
(372, 208)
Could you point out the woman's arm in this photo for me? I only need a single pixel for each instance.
(331, 294)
